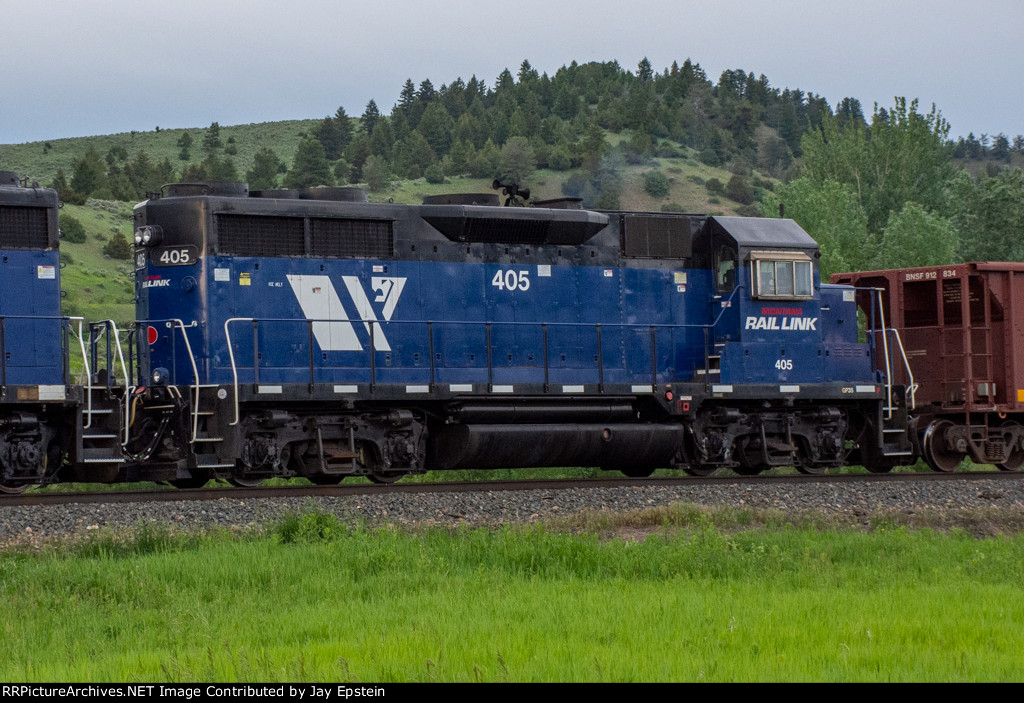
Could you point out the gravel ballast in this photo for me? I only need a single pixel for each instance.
(848, 502)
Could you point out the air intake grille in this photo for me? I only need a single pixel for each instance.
(23, 228)
(656, 237)
(352, 239)
(249, 235)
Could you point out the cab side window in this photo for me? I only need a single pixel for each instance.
(725, 269)
(781, 276)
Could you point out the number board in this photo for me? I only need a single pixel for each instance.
(174, 256)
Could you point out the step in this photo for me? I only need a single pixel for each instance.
(100, 436)
(215, 466)
(94, 455)
(105, 411)
(208, 439)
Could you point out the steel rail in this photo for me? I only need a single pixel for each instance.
(218, 493)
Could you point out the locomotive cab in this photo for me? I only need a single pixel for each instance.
(774, 321)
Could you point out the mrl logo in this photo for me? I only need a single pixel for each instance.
(786, 324)
(332, 325)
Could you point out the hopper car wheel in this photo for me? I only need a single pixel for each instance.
(324, 480)
(380, 477)
(878, 468)
(245, 482)
(1015, 461)
(933, 445)
(13, 488)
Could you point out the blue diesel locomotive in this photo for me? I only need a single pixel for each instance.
(312, 333)
(51, 428)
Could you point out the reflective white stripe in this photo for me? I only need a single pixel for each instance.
(503, 389)
(865, 389)
(643, 389)
(346, 389)
(270, 389)
(417, 389)
(52, 392)
(789, 389)
(721, 389)
(461, 387)
(319, 301)
(573, 389)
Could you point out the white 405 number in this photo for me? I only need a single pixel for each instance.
(175, 256)
(784, 364)
(511, 280)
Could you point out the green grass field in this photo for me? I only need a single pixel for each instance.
(313, 600)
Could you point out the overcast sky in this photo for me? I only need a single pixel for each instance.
(86, 67)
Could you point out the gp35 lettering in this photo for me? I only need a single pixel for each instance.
(174, 256)
(511, 280)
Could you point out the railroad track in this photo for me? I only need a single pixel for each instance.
(216, 493)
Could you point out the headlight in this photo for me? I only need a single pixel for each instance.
(148, 235)
(159, 377)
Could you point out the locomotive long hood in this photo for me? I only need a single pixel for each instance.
(466, 223)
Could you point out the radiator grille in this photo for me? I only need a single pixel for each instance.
(656, 237)
(249, 235)
(23, 228)
(352, 239)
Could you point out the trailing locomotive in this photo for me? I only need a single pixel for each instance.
(311, 333)
(50, 428)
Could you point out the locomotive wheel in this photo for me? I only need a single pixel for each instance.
(13, 488)
(1015, 460)
(384, 478)
(750, 460)
(325, 480)
(878, 468)
(933, 445)
(245, 482)
(813, 470)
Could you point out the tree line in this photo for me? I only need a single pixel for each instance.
(878, 192)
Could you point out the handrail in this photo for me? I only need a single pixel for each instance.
(195, 376)
(884, 332)
(234, 369)
(192, 361)
(88, 372)
(486, 324)
(910, 373)
(885, 353)
(128, 388)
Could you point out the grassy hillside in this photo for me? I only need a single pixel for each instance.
(98, 287)
(39, 161)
